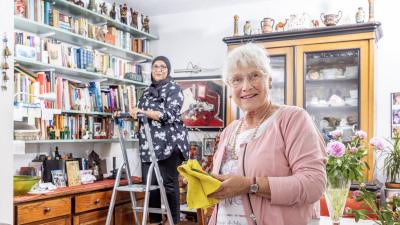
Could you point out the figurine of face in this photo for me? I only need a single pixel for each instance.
(103, 8)
(124, 13)
(113, 12)
(134, 16)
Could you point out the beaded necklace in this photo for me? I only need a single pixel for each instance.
(232, 149)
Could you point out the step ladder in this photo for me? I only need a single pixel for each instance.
(134, 188)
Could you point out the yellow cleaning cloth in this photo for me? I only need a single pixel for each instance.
(200, 184)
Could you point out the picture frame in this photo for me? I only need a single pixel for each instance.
(204, 105)
(97, 128)
(58, 178)
(395, 113)
(195, 150)
(209, 146)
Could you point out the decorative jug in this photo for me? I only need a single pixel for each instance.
(331, 19)
(267, 25)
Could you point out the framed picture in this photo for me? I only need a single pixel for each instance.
(395, 113)
(209, 146)
(97, 129)
(204, 104)
(195, 150)
(58, 178)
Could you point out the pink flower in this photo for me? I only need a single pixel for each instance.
(361, 134)
(377, 143)
(356, 194)
(335, 149)
(353, 149)
(336, 134)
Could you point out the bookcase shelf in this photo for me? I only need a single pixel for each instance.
(79, 74)
(76, 39)
(98, 18)
(86, 113)
(77, 141)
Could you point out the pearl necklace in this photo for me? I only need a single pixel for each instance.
(232, 149)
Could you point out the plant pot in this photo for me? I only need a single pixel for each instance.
(389, 192)
(392, 185)
(336, 194)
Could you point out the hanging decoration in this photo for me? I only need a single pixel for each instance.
(5, 66)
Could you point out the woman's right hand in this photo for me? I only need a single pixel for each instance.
(134, 111)
(116, 114)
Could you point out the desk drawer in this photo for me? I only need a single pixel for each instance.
(92, 201)
(42, 210)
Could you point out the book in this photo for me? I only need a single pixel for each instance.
(73, 173)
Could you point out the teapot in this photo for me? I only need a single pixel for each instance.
(331, 19)
(267, 25)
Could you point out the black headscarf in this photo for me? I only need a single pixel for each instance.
(155, 86)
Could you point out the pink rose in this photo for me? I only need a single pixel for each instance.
(377, 143)
(335, 149)
(336, 134)
(361, 134)
(356, 194)
(353, 149)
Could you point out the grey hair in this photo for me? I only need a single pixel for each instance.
(248, 55)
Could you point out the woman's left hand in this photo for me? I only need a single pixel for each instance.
(134, 111)
(232, 185)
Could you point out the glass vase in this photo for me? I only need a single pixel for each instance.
(336, 194)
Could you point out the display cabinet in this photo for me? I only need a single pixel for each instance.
(329, 71)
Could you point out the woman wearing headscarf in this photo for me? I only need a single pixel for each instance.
(161, 103)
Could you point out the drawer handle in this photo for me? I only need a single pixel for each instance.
(97, 201)
(47, 209)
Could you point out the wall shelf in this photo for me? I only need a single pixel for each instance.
(76, 39)
(97, 18)
(76, 141)
(86, 113)
(78, 74)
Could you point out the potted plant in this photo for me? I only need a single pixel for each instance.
(344, 165)
(391, 163)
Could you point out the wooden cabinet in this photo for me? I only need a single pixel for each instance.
(98, 217)
(92, 201)
(57, 221)
(329, 71)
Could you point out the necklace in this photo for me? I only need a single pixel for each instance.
(232, 149)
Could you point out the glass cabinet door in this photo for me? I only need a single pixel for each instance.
(331, 89)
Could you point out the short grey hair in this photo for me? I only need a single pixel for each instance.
(248, 55)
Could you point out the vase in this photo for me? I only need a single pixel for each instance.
(336, 194)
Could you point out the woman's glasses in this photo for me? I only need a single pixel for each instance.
(156, 67)
(237, 81)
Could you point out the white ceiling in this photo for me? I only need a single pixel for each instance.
(160, 7)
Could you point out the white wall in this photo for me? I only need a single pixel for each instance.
(6, 131)
(197, 37)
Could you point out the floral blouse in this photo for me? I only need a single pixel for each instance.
(168, 133)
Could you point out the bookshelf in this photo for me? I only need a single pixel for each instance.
(75, 73)
(115, 140)
(98, 18)
(27, 25)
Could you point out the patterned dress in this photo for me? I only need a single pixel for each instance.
(168, 133)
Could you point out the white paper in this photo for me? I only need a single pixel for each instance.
(35, 112)
(188, 99)
(56, 111)
(31, 116)
(47, 114)
(19, 147)
(20, 113)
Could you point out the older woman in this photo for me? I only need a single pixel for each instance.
(161, 102)
(272, 161)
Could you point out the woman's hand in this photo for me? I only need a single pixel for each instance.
(232, 185)
(134, 111)
(116, 114)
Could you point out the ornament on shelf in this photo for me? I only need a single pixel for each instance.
(92, 5)
(80, 3)
(247, 28)
(5, 66)
(371, 10)
(19, 8)
(280, 26)
(360, 15)
(123, 10)
(103, 8)
(145, 24)
(113, 12)
(134, 18)
(235, 25)
(315, 23)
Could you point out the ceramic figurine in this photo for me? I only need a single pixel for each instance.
(92, 5)
(371, 10)
(267, 24)
(19, 8)
(123, 10)
(145, 24)
(247, 28)
(236, 25)
(134, 18)
(103, 8)
(113, 12)
(80, 3)
(280, 26)
(315, 23)
(360, 15)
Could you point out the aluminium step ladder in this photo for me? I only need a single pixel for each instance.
(133, 188)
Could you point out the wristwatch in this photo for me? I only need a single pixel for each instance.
(254, 186)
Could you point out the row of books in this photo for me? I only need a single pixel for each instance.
(43, 11)
(50, 51)
(72, 94)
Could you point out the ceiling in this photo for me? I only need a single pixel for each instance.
(160, 7)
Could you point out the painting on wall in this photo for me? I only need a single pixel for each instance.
(204, 105)
(395, 113)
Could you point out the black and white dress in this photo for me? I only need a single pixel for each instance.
(168, 133)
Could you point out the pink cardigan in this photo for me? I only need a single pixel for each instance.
(292, 155)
